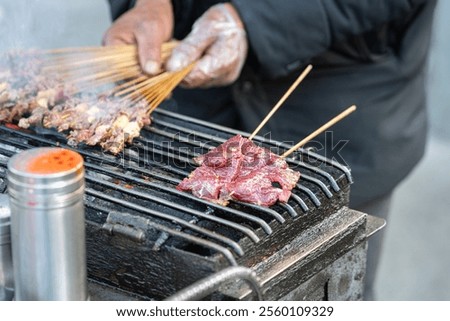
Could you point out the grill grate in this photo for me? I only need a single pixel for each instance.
(148, 171)
(133, 194)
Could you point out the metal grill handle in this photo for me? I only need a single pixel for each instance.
(208, 285)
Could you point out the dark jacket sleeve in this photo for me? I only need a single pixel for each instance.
(119, 7)
(185, 12)
(287, 34)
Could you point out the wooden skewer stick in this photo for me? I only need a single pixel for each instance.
(169, 85)
(132, 90)
(107, 73)
(90, 61)
(165, 46)
(71, 50)
(320, 130)
(282, 100)
(128, 84)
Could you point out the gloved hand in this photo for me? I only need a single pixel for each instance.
(149, 24)
(218, 41)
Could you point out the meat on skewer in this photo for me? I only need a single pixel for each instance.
(30, 97)
(104, 122)
(240, 170)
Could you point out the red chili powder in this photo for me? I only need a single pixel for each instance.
(60, 160)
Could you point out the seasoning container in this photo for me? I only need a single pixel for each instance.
(6, 267)
(46, 187)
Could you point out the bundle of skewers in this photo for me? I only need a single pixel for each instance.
(95, 95)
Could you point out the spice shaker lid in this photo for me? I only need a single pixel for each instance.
(45, 177)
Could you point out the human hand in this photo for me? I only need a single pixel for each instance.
(218, 41)
(149, 24)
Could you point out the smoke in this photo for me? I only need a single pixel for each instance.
(23, 24)
(43, 24)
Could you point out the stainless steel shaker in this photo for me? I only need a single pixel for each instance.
(6, 267)
(46, 187)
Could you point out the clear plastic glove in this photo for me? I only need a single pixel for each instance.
(149, 24)
(218, 41)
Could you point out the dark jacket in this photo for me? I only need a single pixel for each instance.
(371, 53)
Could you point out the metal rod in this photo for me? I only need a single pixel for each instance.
(317, 171)
(196, 240)
(182, 129)
(191, 197)
(212, 283)
(178, 137)
(321, 184)
(292, 212)
(310, 194)
(146, 196)
(179, 234)
(167, 217)
(300, 202)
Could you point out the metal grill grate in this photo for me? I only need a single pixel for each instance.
(133, 195)
(143, 178)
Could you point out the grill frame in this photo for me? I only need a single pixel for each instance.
(116, 237)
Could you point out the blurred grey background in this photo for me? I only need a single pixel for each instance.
(416, 260)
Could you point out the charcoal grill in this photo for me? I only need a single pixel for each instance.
(147, 240)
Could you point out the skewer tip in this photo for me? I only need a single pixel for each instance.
(320, 130)
(282, 100)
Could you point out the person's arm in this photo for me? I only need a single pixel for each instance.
(148, 23)
(218, 46)
(186, 12)
(285, 35)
